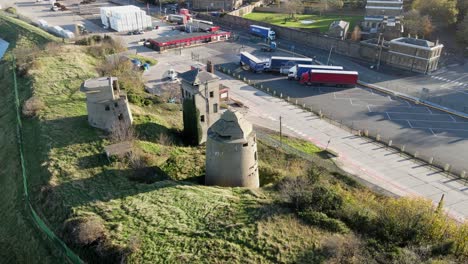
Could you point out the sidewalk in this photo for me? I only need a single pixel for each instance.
(378, 165)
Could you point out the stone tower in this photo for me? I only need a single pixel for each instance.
(200, 98)
(107, 106)
(231, 152)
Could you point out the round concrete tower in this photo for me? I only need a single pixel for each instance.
(231, 152)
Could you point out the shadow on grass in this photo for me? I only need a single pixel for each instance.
(154, 132)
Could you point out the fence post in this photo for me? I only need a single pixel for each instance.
(390, 143)
(377, 137)
(463, 174)
(447, 167)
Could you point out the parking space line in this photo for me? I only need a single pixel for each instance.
(388, 116)
(453, 118)
(409, 124)
(368, 108)
(432, 132)
(428, 109)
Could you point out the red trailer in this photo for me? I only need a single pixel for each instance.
(330, 77)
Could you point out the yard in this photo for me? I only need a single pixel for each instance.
(320, 22)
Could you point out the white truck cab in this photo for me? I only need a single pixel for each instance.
(171, 75)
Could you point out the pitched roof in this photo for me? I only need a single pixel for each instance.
(232, 127)
(197, 76)
(339, 23)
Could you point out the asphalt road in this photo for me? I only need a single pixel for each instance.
(431, 133)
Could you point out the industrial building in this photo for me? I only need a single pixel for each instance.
(107, 107)
(125, 18)
(376, 10)
(231, 152)
(186, 40)
(200, 97)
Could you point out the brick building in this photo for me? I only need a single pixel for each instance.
(417, 55)
(200, 96)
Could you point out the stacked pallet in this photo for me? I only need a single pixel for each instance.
(125, 18)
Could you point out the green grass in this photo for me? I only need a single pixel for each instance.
(144, 59)
(321, 22)
(14, 30)
(300, 145)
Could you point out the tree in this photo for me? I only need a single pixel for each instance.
(415, 24)
(442, 10)
(337, 4)
(356, 35)
(462, 30)
(294, 7)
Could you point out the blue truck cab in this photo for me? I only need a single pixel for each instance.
(264, 32)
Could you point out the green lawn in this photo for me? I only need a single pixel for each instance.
(321, 22)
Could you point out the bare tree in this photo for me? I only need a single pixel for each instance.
(416, 24)
(356, 34)
(294, 7)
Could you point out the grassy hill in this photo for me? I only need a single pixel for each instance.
(308, 210)
(14, 30)
(17, 232)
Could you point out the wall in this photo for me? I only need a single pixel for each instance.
(311, 10)
(246, 9)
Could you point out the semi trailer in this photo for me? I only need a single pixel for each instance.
(264, 32)
(254, 63)
(296, 71)
(279, 63)
(330, 77)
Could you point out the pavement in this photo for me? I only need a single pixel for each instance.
(360, 156)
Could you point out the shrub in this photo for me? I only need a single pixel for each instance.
(84, 231)
(11, 10)
(323, 221)
(344, 249)
(269, 174)
(32, 107)
(296, 191)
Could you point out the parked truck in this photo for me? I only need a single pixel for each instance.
(330, 77)
(283, 64)
(296, 71)
(254, 63)
(263, 32)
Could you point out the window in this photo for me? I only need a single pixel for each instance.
(121, 117)
(116, 104)
(107, 108)
(245, 145)
(211, 94)
(255, 155)
(202, 118)
(215, 108)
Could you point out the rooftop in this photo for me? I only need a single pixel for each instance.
(339, 23)
(232, 126)
(197, 76)
(91, 85)
(415, 42)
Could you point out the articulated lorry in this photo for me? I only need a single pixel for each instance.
(254, 63)
(330, 77)
(263, 32)
(283, 64)
(296, 71)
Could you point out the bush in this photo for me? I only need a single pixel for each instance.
(11, 10)
(138, 99)
(323, 221)
(84, 231)
(32, 107)
(269, 174)
(344, 249)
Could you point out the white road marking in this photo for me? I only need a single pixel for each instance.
(388, 116)
(428, 109)
(368, 108)
(432, 132)
(409, 124)
(453, 118)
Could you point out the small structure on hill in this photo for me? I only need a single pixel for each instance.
(107, 106)
(231, 152)
(200, 98)
(338, 29)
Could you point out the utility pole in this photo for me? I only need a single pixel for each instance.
(329, 55)
(160, 8)
(380, 50)
(281, 132)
